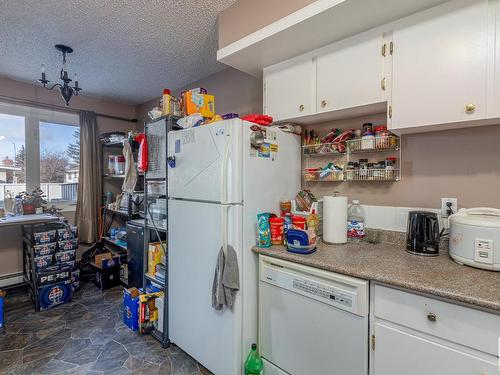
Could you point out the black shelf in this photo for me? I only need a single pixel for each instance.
(158, 130)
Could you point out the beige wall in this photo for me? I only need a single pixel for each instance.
(26, 91)
(234, 91)
(247, 16)
(10, 238)
(462, 163)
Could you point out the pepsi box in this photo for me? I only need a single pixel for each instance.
(71, 264)
(53, 275)
(45, 249)
(75, 280)
(43, 262)
(39, 234)
(67, 245)
(131, 308)
(65, 256)
(54, 294)
(67, 233)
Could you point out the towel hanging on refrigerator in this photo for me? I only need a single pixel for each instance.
(226, 279)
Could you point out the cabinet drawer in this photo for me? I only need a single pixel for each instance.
(401, 353)
(466, 326)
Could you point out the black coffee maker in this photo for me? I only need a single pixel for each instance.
(422, 234)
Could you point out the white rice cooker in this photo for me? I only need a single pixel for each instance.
(475, 237)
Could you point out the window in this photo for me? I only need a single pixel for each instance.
(12, 179)
(59, 161)
(43, 148)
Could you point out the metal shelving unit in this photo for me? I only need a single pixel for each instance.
(156, 212)
(114, 182)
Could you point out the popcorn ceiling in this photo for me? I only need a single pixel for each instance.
(124, 50)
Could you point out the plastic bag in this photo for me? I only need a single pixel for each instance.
(264, 230)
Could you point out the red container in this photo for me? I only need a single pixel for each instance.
(299, 222)
(276, 224)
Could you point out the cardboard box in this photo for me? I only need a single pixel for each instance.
(107, 268)
(106, 260)
(148, 312)
(155, 253)
(131, 308)
(198, 101)
(107, 278)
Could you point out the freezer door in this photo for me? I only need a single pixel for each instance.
(211, 337)
(199, 160)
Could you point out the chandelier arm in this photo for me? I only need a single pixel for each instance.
(53, 86)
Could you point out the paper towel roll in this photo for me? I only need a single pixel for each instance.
(335, 219)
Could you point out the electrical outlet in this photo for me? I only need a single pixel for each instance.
(445, 208)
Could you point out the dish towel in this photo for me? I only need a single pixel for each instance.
(226, 279)
(130, 171)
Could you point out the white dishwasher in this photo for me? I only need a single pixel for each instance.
(311, 322)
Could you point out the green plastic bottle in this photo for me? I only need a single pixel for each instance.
(254, 364)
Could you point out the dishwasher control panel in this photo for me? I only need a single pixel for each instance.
(327, 291)
(322, 291)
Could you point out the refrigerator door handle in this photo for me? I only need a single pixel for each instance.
(224, 203)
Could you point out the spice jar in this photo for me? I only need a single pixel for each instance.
(382, 137)
(354, 144)
(390, 163)
(350, 171)
(367, 127)
(371, 171)
(363, 169)
(368, 141)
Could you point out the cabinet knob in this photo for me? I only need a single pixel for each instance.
(431, 317)
(470, 108)
(301, 107)
(323, 103)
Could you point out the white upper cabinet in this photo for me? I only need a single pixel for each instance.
(494, 61)
(288, 89)
(439, 65)
(350, 73)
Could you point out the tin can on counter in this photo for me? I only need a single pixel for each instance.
(298, 222)
(277, 229)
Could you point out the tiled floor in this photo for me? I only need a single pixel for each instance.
(86, 336)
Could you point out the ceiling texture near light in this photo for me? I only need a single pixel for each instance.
(126, 50)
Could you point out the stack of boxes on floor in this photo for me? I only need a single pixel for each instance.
(50, 263)
(143, 308)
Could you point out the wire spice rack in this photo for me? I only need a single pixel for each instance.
(343, 167)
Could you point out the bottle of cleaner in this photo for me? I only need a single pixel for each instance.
(254, 364)
(355, 222)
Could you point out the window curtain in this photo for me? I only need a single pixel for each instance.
(89, 180)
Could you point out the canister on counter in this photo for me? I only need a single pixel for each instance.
(298, 222)
(277, 230)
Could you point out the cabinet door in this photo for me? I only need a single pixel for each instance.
(439, 65)
(398, 352)
(288, 89)
(350, 72)
(494, 61)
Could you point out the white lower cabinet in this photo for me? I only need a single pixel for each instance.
(397, 352)
(412, 334)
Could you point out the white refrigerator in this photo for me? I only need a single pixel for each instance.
(217, 184)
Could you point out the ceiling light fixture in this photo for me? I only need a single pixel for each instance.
(65, 89)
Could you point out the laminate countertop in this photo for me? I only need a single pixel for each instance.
(390, 264)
